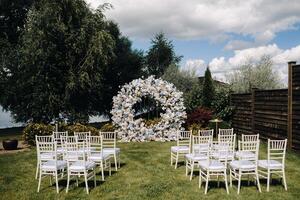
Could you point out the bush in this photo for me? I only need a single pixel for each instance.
(108, 127)
(200, 116)
(34, 129)
(81, 128)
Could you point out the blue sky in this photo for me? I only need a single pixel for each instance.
(223, 34)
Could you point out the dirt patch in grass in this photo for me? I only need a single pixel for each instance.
(22, 146)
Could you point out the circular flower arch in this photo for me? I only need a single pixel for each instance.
(162, 92)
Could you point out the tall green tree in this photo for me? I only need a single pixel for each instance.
(208, 91)
(160, 55)
(59, 64)
(125, 66)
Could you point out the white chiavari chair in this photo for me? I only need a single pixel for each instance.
(49, 165)
(97, 155)
(245, 166)
(229, 140)
(210, 168)
(245, 150)
(183, 146)
(199, 148)
(77, 164)
(275, 163)
(110, 147)
(43, 139)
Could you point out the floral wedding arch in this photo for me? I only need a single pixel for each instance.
(162, 92)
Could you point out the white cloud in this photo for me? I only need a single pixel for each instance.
(207, 19)
(221, 66)
(195, 65)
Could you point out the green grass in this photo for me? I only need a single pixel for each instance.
(145, 174)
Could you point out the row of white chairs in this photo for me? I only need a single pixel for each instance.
(214, 158)
(61, 155)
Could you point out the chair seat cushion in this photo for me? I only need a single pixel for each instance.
(195, 157)
(99, 156)
(81, 166)
(245, 154)
(212, 165)
(181, 149)
(111, 150)
(222, 155)
(52, 166)
(242, 164)
(272, 164)
(201, 146)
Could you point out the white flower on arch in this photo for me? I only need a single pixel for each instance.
(161, 91)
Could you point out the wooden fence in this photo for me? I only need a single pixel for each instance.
(271, 113)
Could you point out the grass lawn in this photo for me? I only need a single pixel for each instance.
(145, 174)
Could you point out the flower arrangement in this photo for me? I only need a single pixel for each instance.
(161, 91)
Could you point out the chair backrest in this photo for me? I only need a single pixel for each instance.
(95, 145)
(47, 149)
(226, 131)
(109, 139)
(249, 146)
(47, 138)
(82, 136)
(184, 138)
(224, 150)
(248, 142)
(277, 150)
(227, 139)
(206, 132)
(74, 151)
(201, 144)
(57, 136)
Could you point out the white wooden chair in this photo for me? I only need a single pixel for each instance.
(183, 146)
(199, 150)
(226, 131)
(206, 133)
(245, 150)
(110, 147)
(275, 164)
(245, 166)
(42, 139)
(210, 168)
(96, 154)
(49, 164)
(78, 165)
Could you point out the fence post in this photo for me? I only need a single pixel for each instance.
(253, 109)
(290, 104)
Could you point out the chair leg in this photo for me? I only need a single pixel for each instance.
(56, 182)
(192, 170)
(68, 181)
(37, 170)
(116, 163)
(218, 181)
(284, 180)
(40, 179)
(200, 178)
(176, 162)
(86, 183)
(119, 158)
(230, 178)
(94, 174)
(248, 179)
(102, 171)
(206, 184)
(239, 183)
(268, 181)
(226, 184)
(257, 180)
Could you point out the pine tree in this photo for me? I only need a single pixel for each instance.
(208, 89)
